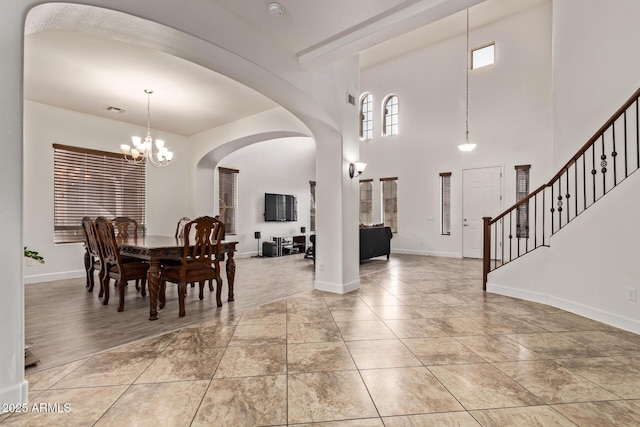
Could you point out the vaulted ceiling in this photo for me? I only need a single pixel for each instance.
(89, 74)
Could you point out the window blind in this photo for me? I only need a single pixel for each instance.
(94, 183)
(366, 201)
(445, 203)
(390, 202)
(228, 203)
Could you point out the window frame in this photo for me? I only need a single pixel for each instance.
(365, 211)
(386, 201)
(228, 193)
(393, 116)
(445, 203)
(312, 206)
(94, 183)
(522, 191)
(366, 116)
(479, 49)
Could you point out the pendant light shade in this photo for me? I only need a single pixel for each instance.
(467, 145)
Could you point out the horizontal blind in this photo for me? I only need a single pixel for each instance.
(94, 183)
(228, 191)
(445, 198)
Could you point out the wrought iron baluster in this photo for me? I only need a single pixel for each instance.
(567, 196)
(637, 134)
(535, 221)
(559, 203)
(510, 235)
(603, 164)
(614, 153)
(575, 186)
(626, 168)
(593, 170)
(584, 180)
(502, 237)
(553, 229)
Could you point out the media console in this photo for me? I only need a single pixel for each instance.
(285, 245)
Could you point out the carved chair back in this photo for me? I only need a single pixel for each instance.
(180, 228)
(206, 233)
(125, 226)
(107, 236)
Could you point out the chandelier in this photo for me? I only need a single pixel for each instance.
(467, 146)
(145, 151)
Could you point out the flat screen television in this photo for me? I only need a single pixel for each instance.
(280, 207)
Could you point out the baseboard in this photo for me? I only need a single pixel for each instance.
(612, 319)
(50, 277)
(337, 288)
(426, 253)
(16, 394)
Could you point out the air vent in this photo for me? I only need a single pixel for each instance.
(115, 109)
(351, 99)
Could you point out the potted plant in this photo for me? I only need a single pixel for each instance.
(28, 253)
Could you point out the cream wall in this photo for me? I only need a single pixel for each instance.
(509, 118)
(592, 262)
(45, 125)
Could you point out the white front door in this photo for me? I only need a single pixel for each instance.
(481, 196)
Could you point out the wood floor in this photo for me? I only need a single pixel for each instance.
(68, 323)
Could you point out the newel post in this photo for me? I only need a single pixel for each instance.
(486, 250)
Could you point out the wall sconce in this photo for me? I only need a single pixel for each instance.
(355, 169)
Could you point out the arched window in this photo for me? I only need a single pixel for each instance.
(390, 118)
(366, 116)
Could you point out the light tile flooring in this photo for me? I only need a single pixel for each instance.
(419, 344)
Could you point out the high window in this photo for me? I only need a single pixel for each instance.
(483, 56)
(445, 203)
(228, 194)
(522, 191)
(366, 117)
(390, 203)
(312, 205)
(390, 118)
(366, 201)
(94, 183)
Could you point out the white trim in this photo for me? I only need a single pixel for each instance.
(49, 277)
(337, 288)
(593, 313)
(427, 253)
(16, 394)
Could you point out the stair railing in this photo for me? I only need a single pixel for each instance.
(603, 162)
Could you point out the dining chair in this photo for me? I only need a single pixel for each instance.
(92, 254)
(114, 267)
(125, 226)
(200, 259)
(180, 227)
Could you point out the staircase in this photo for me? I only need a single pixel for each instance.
(607, 159)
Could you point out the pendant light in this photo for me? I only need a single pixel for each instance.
(467, 145)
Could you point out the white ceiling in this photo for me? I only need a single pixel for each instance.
(88, 74)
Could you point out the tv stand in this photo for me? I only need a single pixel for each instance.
(284, 245)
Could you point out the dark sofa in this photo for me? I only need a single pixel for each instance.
(374, 241)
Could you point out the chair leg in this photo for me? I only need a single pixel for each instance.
(210, 285)
(143, 286)
(182, 292)
(121, 285)
(218, 291)
(201, 295)
(104, 289)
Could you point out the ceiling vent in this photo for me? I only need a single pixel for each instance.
(113, 109)
(276, 9)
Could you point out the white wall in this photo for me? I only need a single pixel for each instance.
(45, 125)
(509, 119)
(596, 57)
(592, 262)
(589, 264)
(283, 166)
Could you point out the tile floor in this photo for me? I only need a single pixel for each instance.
(419, 344)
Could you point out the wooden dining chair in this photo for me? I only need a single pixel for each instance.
(92, 255)
(125, 226)
(113, 265)
(180, 227)
(200, 259)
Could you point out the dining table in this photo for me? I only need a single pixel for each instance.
(154, 249)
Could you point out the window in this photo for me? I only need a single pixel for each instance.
(94, 183)
(390, 119)
(366, 201)
(390, 203)
(366, 117)
(228, 203)
(312, 205)
(522, 191)
(483, 56)
(445, 203)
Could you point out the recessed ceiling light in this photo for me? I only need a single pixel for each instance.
(276, 9)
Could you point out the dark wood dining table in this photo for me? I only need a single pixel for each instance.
(154, 249)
